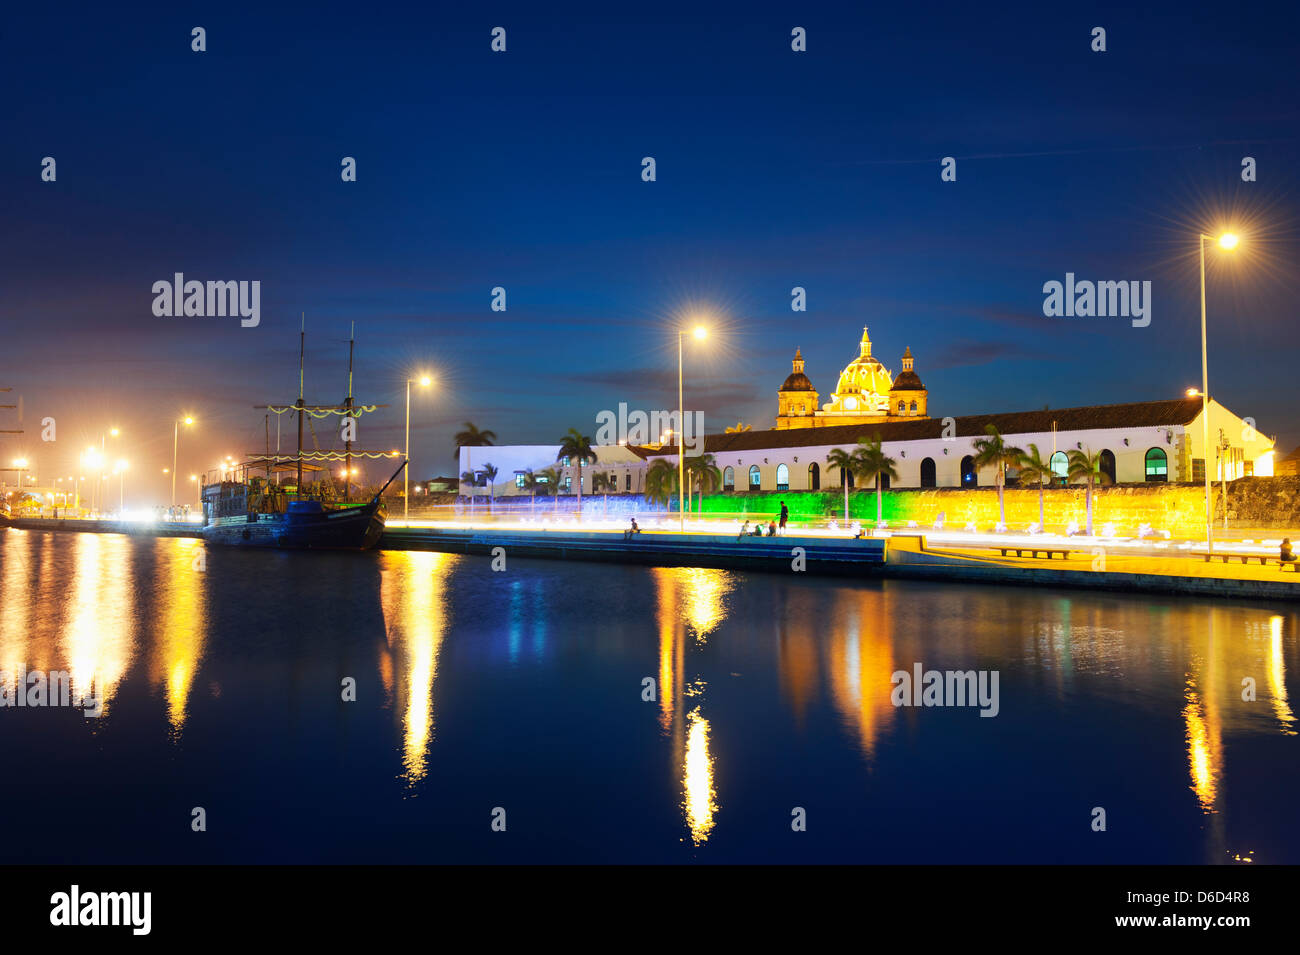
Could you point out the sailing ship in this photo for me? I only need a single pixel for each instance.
(245, 509)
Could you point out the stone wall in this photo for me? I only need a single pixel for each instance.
(1177, 508)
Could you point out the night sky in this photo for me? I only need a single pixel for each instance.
(775, 169)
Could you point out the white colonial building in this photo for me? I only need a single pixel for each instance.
(1138, 442)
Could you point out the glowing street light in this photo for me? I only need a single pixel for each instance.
(425, 381)
(1228, 241)
(699, 333)
(176, 437)
(120, 469)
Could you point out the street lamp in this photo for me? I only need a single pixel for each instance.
(92, 459)
(700, 333)
(1228, 241)
(176, 437)
(120, 468)
(425, 381)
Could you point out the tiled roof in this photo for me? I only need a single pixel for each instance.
(1160, 414)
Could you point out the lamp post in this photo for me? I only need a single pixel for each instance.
(176, 438)
(425, 381)
(1227, 241)
(94, 459)
(700, 332)
(120, 468)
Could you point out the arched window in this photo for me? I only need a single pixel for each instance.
(782, 477)
(884, 481)
(846, 476)
(755, 478)
(728, 478)
(927, 473)
(913, 407)
(902, 406)
(1106, 464)
(968, 476)
(814, 477)
(1157, 465)
(1060, 465)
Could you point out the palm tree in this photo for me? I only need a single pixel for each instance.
(470, 478)
(660, 482)
(602, 482)
(577, 447)
(1086, 466)
(871, 462)
(844, 460)
(1034, 468)
(472, 437)
(530, 485)
(993, 452)
(704, 474)
(549, 478)
(738, 429)
(489, 471)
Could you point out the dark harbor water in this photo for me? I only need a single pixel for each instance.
(523, 690)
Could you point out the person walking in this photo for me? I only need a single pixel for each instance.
(785, 516)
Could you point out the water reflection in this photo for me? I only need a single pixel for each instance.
(700, 800)
(413, 587)
(97, 639)
(694, 598)
(1277, 677)
(860, 660)
(183, 624)
(15, 614)
(759, 678)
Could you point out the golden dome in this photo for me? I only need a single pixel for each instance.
(864, 375)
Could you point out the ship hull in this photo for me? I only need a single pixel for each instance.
(352, 528)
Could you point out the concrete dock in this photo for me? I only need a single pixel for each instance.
(902, 556)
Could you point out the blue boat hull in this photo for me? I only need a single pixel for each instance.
(303, 528)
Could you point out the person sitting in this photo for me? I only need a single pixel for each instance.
(771, 529)
(744, 531)
(634, 529)
(758, 530)
(1286, 555)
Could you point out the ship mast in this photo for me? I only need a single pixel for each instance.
(347, 405)
(302, 347)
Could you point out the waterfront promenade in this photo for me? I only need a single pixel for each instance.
(1088, 563)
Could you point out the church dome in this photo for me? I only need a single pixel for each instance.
(908, 380)
(864, 375)
(798, 381)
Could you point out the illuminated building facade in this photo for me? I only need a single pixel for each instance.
(866, 392)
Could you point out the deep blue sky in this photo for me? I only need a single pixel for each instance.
(522, 169)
